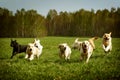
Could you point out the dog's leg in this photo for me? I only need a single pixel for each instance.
(31, 57)
(60, 55)
(26, 56)
(66, 56)
(104, 47)
(81, 57)
(111, 48)
(38, 56)
(13, 53)
(69, 57)
(108, 48)
(88, 57)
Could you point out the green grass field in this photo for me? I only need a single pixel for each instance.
(51, 67)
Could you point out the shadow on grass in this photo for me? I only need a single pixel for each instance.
(62, 61)
(3, 58)
(108, 56)
(21, 57)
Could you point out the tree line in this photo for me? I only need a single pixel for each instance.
(22, 24)
(79, 23)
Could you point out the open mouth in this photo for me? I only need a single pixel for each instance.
(106, 38)
(84, 50)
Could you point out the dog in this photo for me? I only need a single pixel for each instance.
(77, 44)
(65, 51)
(38, 45)
(107, 42)
(33, 49)
(87, 48)
(17, 48)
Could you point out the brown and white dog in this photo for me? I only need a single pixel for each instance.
(87, 48)
(107, 42)
(65, 51)
(77, 44)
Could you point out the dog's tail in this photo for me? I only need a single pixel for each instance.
(91, 40)
(94, 38)
(76, 40)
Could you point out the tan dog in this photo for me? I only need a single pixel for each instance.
(77, 44)
(87, 48)
(65, 51)
(107, 42)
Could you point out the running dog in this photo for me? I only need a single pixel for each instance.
(33, 50)
(38, 45)
(17, 48)
(65, 51)
(77, 44)
(87, 48)
(107, 42)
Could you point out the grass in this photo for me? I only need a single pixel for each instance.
(51, 67)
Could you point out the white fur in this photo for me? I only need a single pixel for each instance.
(37, 44)
(67, 51)
(33, 51)
(88, 52)
(109, 47)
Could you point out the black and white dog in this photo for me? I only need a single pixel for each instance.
(17, 48)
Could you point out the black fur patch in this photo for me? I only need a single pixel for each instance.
(17, 48)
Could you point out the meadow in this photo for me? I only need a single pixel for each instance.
(50, 67)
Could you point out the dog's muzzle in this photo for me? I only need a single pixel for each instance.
(30, 49)
(85, 46)
(106, 38)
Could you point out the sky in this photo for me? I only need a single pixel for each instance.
(43, 6)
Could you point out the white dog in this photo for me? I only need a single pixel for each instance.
(65, 51)
(77, 44)
(38, 45)
(33, 49)
(107, 42)
(87, 48)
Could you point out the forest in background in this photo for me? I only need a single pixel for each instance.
(82, 23)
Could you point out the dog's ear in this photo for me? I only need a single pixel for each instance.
(34, 40)
(38, 40)
(80, 45)
(110, 33)
(83, 43)
(64, 48)
(59, 46)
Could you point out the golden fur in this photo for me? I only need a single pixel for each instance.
(87, 48)
(107, 42)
